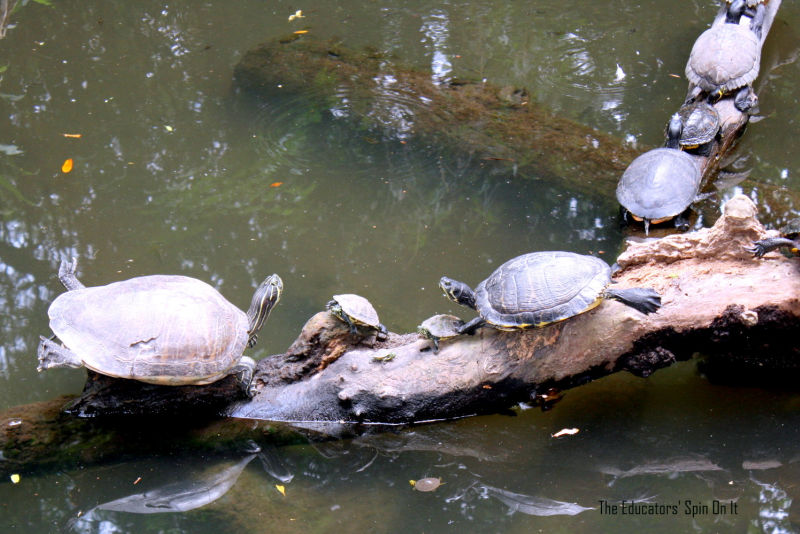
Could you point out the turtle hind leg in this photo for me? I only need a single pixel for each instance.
(641, 299)
(51, 354)
(763, 246)
(66, 275)
(243, 371)
(470, 327)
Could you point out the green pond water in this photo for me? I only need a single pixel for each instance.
(176, 173)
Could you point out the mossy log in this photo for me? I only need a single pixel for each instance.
(504, 128)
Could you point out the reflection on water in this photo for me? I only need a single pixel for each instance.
(174, 173)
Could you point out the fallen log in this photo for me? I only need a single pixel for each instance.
(717, 299)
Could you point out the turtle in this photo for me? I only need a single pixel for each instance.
(158, 329)
(790, 237)
(725, 57)
(693, 127)
(357, 312)
(658, 186)
(439, 327)
(539, 288)
(426, 484)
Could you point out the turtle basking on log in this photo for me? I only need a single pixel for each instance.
(540, 288)
(160, 329)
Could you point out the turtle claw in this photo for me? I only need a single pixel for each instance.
(757, 250)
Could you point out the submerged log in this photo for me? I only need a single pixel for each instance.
(502, 127)
(717, 299)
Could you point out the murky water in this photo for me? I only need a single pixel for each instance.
(174, 173)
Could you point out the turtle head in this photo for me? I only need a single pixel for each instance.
(264, 299)
(674, 130)
(457, 292)
(735, 11)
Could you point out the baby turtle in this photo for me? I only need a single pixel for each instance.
(426, 484)
(693, 128)
(659, 185)
(726, 56)
(440, 327)
(536, 289)
(357, 312)
(790, 237)
(160, 329)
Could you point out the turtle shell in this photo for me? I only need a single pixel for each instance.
(159, 329)
(540, 288)
(724, 57)
(792, 229)
(659, 184)
(700, 123)
(358, 309)
(440, 326)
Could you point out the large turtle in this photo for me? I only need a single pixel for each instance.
(160, 329)
(540, 288)
(693, 127)
(659, 185)
(790, 237)
(726, 56)
(357, 312)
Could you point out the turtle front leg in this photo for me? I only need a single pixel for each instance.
(243, 371)
(763, 246)
(51, 354)
(66, 274)
(471, 326)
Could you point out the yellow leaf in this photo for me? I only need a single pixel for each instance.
(66, 166)
(412, 482)
(276, 184)
(72, 136)
(15, 478)
(300, 32)
(282, 489)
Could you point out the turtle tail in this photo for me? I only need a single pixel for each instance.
(641, 299)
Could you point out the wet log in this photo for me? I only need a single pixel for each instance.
(717, 299)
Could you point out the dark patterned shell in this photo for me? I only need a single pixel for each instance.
(792, 229)
(358, 309)
(660, 183)
(540, 288)
(700, 123)
(158, 329)
(726, 56)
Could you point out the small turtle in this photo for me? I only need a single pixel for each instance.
(357, 312)
(426, 484)
(726, 56)
(440, 327)
(790, 237)
(540, 288)
(160, 329)
(659, 186)
(693, 128)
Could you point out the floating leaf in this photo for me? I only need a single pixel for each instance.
(72, 136)
(276, 184)
(412, 482)
(15, 478)
(282, 489)
(300, 32)
(66, 166)
(168, 128)
(138, 479)
(297, 15)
